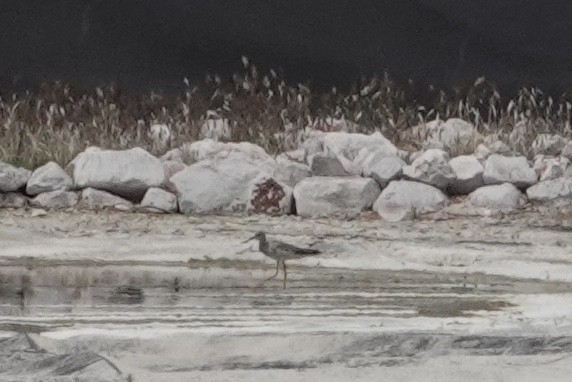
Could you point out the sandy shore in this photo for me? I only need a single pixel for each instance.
(177, 298)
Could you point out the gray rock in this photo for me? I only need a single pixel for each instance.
(327, 165)
(49, 177)
(468, 175)
(13, 200)
(501, 196)
(128, 173)
(55, 199)
(516, 170)
(403, 200)
(384, 169)
(324, 196)
(12, 178)
(159, 200)
(432, 167)
(551, 190)
(96, 199)
(292, 173)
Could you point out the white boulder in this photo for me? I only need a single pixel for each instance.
(219, 185)
(97, 199)
(323, 196)
(551, 190)
(500, 196)
(372, 154)
(12, 178)
(432, 167)
(12, 200)
(49, 177)
(349, 145)
(55, 199)
(516, 170)
(128, 173)
(403, 200)
(159, 200)
(468, 174)
(383, 169)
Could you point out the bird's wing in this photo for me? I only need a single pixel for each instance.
(289, 248)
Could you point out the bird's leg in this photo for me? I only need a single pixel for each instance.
(277, 269)
(284, 268)
(261, 284)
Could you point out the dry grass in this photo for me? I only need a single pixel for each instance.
(57, 122)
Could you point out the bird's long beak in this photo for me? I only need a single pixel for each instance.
(247, 240)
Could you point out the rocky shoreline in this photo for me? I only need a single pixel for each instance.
(332, 174)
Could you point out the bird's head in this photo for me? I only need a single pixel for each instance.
(260, 236)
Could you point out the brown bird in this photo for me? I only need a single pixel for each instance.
(280, 252)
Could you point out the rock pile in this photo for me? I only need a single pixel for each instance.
(332, 174)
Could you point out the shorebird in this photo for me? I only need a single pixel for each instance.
(280, 252)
